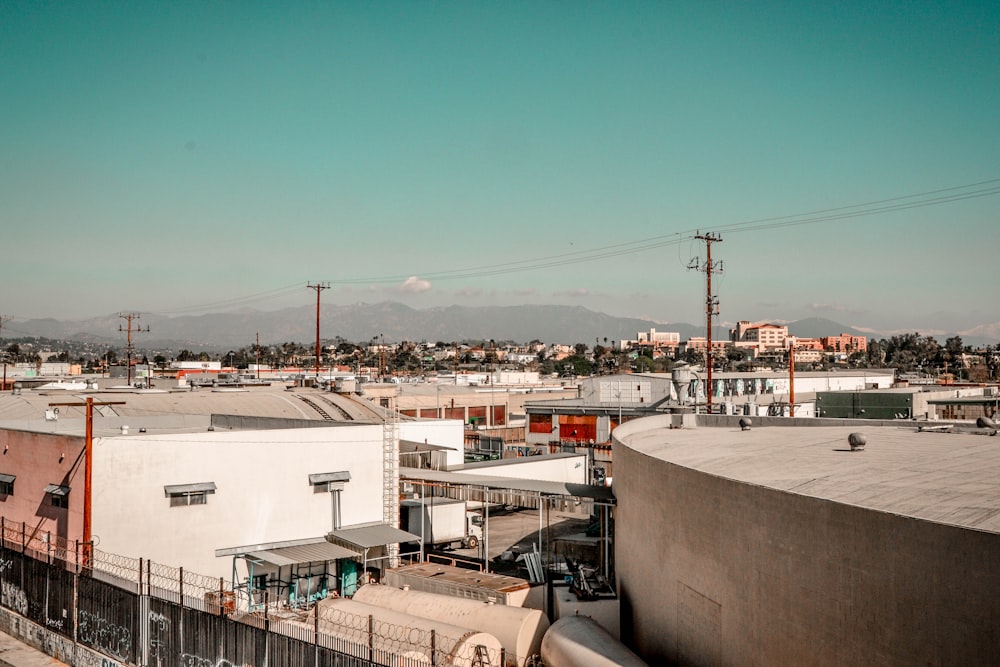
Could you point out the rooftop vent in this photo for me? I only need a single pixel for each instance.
(986, 422)
(745, 423)
(857, 442)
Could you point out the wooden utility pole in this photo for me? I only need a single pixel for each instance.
(791, 378)
(711, 302)
(88, 463)
(128, 317)
(3, 387)
(319, 287)
(257, 350)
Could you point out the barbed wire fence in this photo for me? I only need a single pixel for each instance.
(37, 580)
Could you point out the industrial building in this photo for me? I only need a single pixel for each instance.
(585, 422)
(179, 474)
(782, 545)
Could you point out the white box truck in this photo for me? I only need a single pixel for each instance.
(442, 522)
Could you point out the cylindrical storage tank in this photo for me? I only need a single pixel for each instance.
(519, 630)
(406, 635)
(579, 641)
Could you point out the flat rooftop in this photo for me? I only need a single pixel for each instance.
(950, 478)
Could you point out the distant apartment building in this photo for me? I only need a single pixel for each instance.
(653, 338)
(845, 343)
(766, 337)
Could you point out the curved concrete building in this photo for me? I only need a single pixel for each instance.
(780, 545)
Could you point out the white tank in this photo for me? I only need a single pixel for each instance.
(405, 635)
(580, 641)
(519, 630)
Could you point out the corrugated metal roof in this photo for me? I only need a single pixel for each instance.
(304, 553)
(373, 535)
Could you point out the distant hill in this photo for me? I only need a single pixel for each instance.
(395, 321)
(358, 322)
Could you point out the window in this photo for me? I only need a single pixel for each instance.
(7, 484)
(182, 495)
(58, 495)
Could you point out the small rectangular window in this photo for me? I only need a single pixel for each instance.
(182, 495)
(58, 495)
(7, 484)
(184, 499)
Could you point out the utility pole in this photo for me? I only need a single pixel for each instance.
(3, 387)
(128, 317)
(257, 350)
(711, 302)
(791, 378)
(88, 467)
(319, 287)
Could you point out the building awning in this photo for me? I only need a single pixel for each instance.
(542, 488)
(187, 489)
(57, 490)
(326, 477)
(306, 553)
(4, 477)
(371, 535)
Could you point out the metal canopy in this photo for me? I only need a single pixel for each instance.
(57, 490)
(598, 493)
(371, 535)
(4, 477)
(324, 477)
(306, 553)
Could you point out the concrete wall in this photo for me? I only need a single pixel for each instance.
(717, 572)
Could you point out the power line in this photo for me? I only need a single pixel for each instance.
(935, 197)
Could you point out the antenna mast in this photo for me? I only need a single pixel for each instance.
(319, 287)
(128, 317)
(711, 302)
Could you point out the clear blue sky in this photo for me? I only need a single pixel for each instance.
(184, 157)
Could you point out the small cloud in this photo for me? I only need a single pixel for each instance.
(577, 293)
(413, 285)
(470, 292)
(828, 307)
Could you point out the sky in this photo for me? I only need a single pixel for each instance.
(191, 157)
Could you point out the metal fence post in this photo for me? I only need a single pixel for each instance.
(371, 638)
(433, 647)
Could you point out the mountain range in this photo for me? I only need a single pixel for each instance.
(395, 322)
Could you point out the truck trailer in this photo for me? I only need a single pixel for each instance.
(442, 522)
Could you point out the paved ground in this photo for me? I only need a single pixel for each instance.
(516, 532)
(15, 654)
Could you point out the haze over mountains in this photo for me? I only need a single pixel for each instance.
(363, 321)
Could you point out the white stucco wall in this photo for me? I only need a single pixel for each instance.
(263, 492)
(441, 432)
